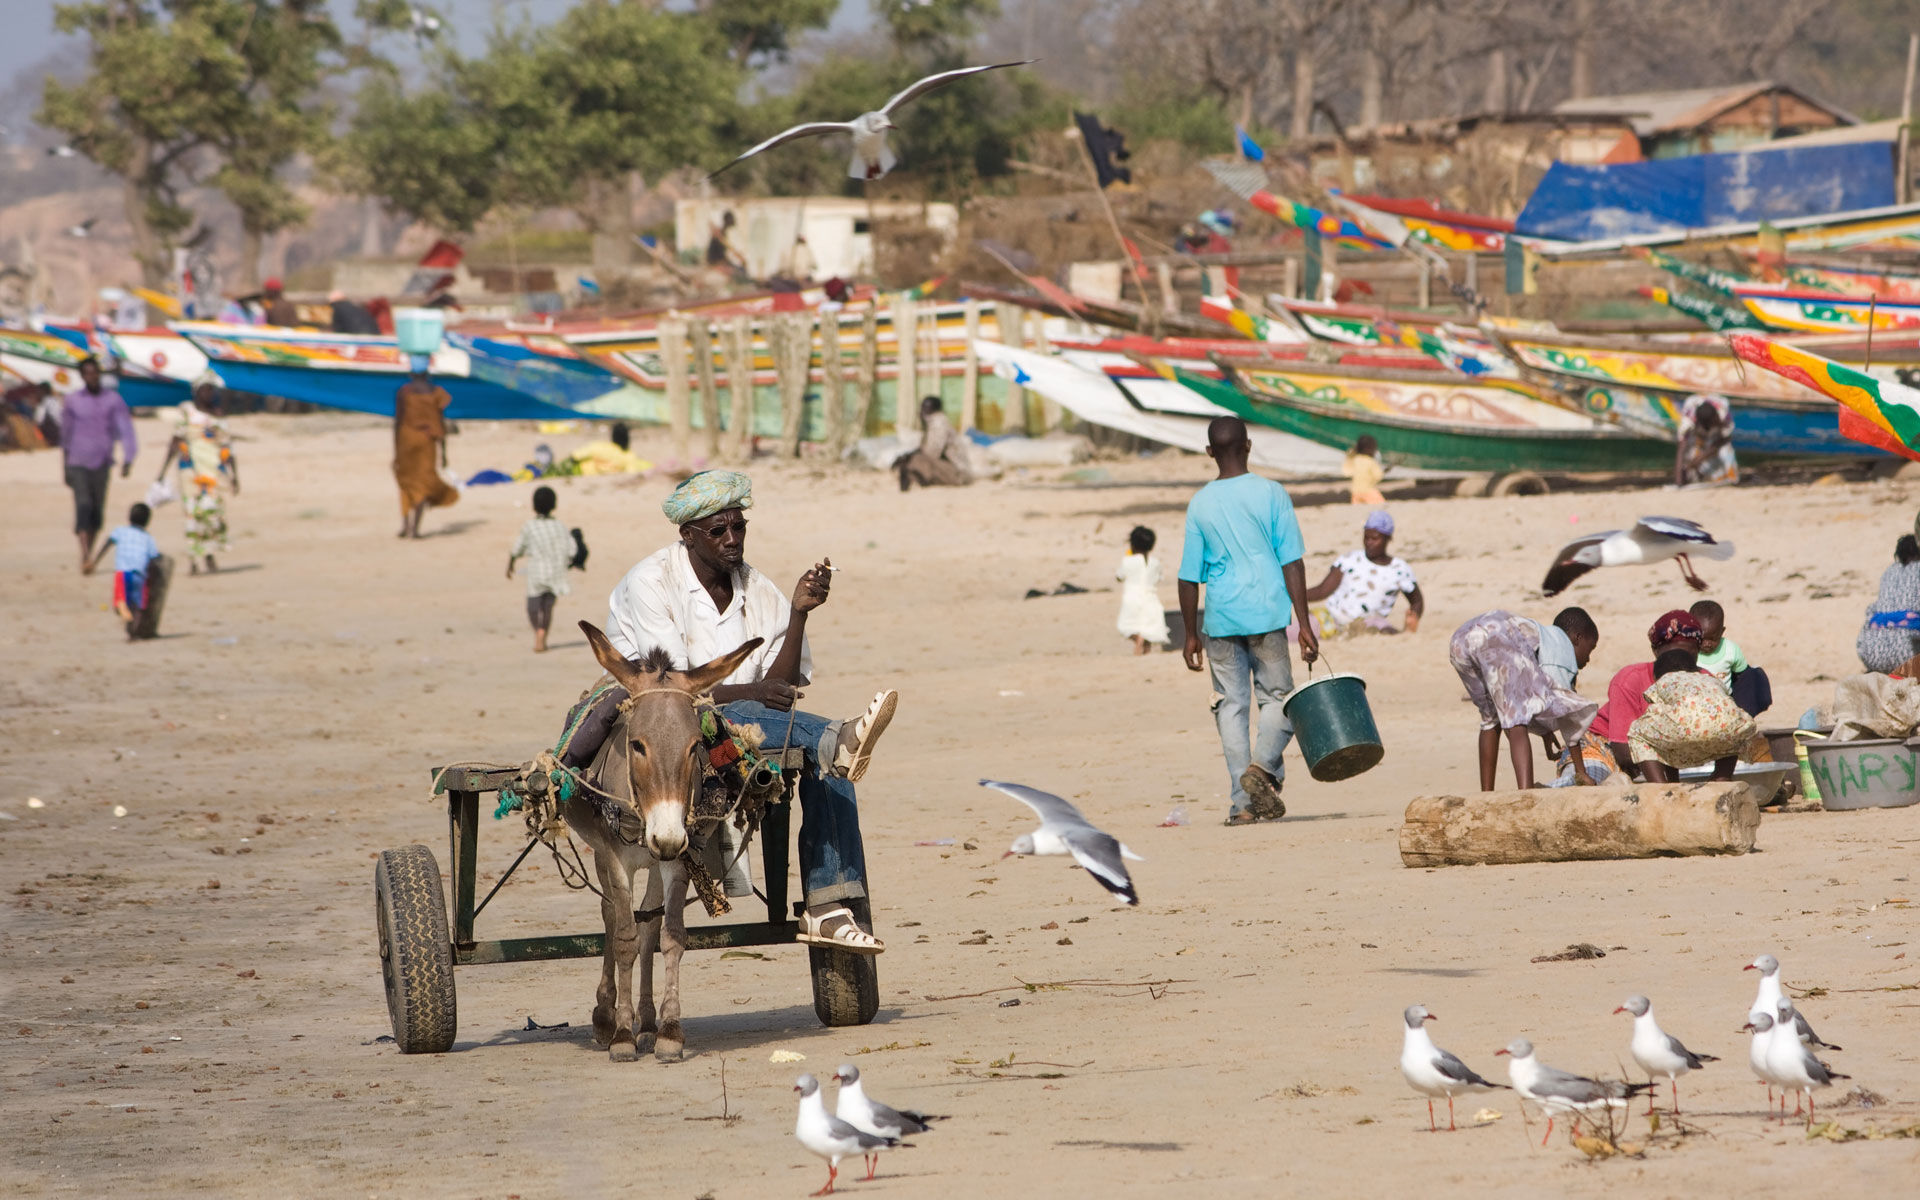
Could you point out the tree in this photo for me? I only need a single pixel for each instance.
(764, 29)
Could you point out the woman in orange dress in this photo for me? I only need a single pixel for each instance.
(420, 450)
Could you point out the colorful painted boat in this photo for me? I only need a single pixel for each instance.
(1846, 280)
(1442, 228)
(1094, 398)
(1433, 395)
(1436, 443)
(1794, 308)
(362, 373)
(1894, 226)
(1249, 182)
(1647, 381)
(1885, 412)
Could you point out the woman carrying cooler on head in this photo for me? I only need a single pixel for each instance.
(1520, 676)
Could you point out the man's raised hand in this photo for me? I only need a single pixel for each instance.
(811, 592)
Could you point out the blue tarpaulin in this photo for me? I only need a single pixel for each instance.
(1584, 204)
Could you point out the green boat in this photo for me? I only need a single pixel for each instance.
(1437, 445)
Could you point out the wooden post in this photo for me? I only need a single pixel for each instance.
(1426, 284)
(1169, 302)
(906, 345)
(739, 347)
(1329, 267)
(1559, 824)
(1290, 278)
(1049, 410)
(1011, 320)
(1119, 239)
(1904, 186)
(673, 360)
(833, 385)
(930, 360)
(701, 341)
(970, 370)
(1473, 272)
(868, 385)
(792, 344)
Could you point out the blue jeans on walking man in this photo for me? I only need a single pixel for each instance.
(833, 859)
(1247, 670)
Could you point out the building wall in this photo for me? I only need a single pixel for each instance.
(838, 230)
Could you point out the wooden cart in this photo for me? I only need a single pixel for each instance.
(420, 945)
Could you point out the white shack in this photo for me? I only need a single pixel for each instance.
(839, 231)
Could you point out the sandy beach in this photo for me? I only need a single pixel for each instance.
(192, 996)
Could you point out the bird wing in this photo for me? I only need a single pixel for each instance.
(1099, 853)
(941, 80)
(1677, 529)
(1694, 1061)
(898, 1123)
(1565, 570)
(1451, 1067)
(844, 1132)
(1576, 1089)
(1806, 1033)
(1053, 811)
(810, 129)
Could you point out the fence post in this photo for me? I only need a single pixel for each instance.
(970, 370)
(739, 349)
(868, 387)
(906, 364)
(1012, 322)
(833, 384)
(673, 360)
(701, 340)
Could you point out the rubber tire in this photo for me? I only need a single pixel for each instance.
(846, 987)
(1519, 483)
(1472, 486)
(416, 950)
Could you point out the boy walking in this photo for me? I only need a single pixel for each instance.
(134, 552)
(1243, 542)
(548, 548)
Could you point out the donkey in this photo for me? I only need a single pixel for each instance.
(652, 755)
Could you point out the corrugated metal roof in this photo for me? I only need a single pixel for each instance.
(1688, 108)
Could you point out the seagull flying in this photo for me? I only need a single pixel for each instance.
(1557, 1091)
(1659, 1052)
(872, 157)
(1064, 831)
(873, 1117)
(1652, 540)
(422, 23)
(827, 1135)
(1767, 1000)
(1432, 1071)
(83, 229)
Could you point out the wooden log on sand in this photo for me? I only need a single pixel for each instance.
(1562, 824)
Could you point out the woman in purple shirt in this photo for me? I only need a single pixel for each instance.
(92, 419)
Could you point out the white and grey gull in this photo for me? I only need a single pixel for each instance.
(1651, 540)
(1434, 1072)
(1658, 1052)
(1767, 1000)
(868, 1115)
(872, 157)
(1556, 1091)
(829, 1136)
(1063, 830)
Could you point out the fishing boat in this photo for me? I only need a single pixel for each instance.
(362, 373)
(1888, 227)
(1798, 308)
(1438, 442)
(1091, 396)
(54, 358)
(1773, 416)
(1880, 413)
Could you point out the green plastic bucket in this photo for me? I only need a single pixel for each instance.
(1335, 727)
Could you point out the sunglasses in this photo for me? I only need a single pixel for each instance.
(716, 532)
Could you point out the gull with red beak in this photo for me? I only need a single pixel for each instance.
(1064, 831)
(1432, 1071)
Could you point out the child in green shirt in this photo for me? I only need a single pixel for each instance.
(1720, 656)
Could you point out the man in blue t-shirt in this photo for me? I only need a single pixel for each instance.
(1243, 543)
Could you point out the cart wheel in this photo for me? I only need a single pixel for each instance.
(416, 951)
(846, 987)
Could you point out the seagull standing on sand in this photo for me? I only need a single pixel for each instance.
(1659, 1052)
(1064, 831)
(1432, 1071)
(827, 1135)
(1792, 1065)
(1557, 1091)
(872, 157)
(873, 1117)
(1767, 1000)
(1760, 1025)
(1652, 540)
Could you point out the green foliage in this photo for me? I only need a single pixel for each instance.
(764, 29)
(545, 115)
(933, 25)
(1197, 121)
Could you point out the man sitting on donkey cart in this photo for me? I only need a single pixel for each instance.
(697, 599)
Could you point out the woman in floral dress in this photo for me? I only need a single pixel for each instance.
(203, 452)
(1690, 721)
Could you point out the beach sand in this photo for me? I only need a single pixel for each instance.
(165, 1036)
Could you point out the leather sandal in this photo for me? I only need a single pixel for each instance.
(850, 761)
(846, 936)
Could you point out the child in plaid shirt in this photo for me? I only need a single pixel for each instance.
(548, 547)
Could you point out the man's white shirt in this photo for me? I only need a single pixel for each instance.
(662, 604)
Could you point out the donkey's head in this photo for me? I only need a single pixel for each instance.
(663, 734)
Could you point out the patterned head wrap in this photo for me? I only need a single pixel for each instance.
(1676, 626)
(707, 493)
(1380, 521)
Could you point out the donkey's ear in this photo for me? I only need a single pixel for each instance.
(701, 679)
(625, 672)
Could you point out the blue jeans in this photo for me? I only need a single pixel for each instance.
(833, 860)
(1246, 669)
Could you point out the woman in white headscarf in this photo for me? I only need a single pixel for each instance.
(203, 452)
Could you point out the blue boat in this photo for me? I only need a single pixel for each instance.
(488, 381)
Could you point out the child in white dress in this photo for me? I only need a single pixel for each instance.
(1141, 617)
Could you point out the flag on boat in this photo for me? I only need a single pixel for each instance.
(435, 270)
(1249, 149)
